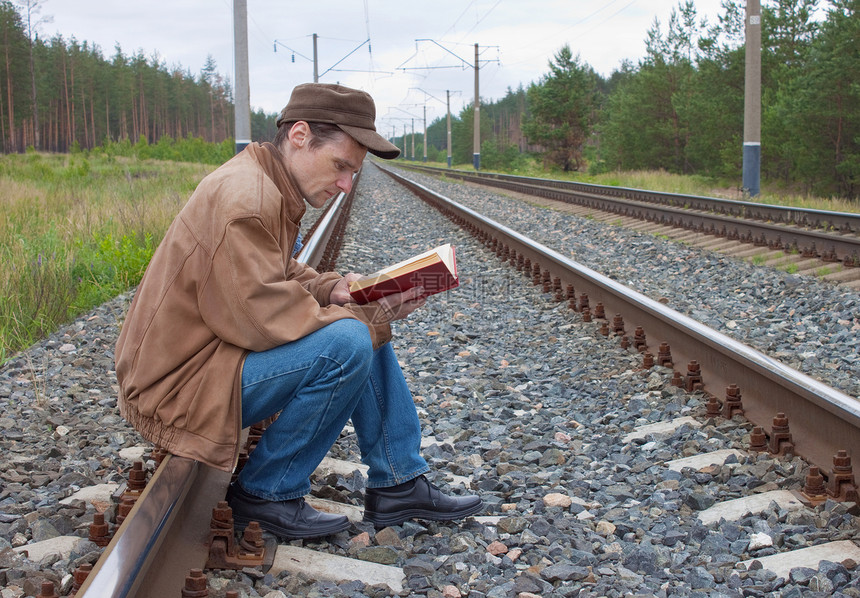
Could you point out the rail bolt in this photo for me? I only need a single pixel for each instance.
(79, 576)
(599, 311)
(583, 302)
(713, 407)
(99, 530)
(625, 341)
(814, 489)
(586, 314)
(758, 440)
(137, 477)
(677, 379)
(732, 405)
(618, 324)
(780, 438)
(639, 339)
(842, 486)
(604, 328)
(647, 361)
(694, 376)
(664, 355)
(196, 585)
(252, 539)
(48, 590)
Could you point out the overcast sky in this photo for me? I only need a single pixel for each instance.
(517, 39)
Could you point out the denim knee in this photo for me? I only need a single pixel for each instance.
(353, 344)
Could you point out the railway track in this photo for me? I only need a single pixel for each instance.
(825, 241)
(165, 539)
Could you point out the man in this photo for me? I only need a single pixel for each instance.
(226, 330)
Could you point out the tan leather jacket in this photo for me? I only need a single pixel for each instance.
(221, 283)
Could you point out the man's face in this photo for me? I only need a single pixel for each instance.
(326, 170)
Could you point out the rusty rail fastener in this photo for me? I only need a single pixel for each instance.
(732, 406)
(618, 325)
(125, 506)
(713, 408)
(79, 577)
(136, 478)
(586, 314)
(758, 440)
(583, 302)
(647, 361)
(625, 341)
(604, 328)
(599, 311)
(639, 339)
(664, 355)
(224, 552)
(99, 530)
(814, 489)
(196, 585)
(842, 486)
(780, 438)
(694, 377)
(48, 590)
(677, 379)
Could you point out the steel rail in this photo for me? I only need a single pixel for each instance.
(822, 420)
(831, 235)
(814, 218)
(166, 534)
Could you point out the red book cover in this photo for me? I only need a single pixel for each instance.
(435, 270)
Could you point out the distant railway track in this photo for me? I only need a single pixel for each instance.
(167, 533)
(829, 236)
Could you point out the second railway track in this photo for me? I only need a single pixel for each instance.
(548, 419)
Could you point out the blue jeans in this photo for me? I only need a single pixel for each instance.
(317, 383)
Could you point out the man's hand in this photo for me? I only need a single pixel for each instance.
(396, 306)
(340, 293)
(400, 305)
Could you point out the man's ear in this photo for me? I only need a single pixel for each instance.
(300, 134)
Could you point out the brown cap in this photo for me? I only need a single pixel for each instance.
(352, 110)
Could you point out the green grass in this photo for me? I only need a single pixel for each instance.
(76, 230)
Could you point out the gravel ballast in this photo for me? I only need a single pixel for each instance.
(524, 404)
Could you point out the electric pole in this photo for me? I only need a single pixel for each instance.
(476, 136)
(448, 94)
(752, 100)
(316, 62)
(243, 87)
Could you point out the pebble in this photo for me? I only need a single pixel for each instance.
(527, 406)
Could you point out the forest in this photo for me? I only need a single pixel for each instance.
(679, 109)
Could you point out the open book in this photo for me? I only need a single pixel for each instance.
(435, 270)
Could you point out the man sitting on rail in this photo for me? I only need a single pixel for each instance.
(226, 330)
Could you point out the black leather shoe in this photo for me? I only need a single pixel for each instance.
(387, 506)
(286, 519)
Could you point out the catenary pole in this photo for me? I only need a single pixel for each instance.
(476, 137)
(752, 100)
(448, 98)
(425, 132)
(316, 62)
(243, 87)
